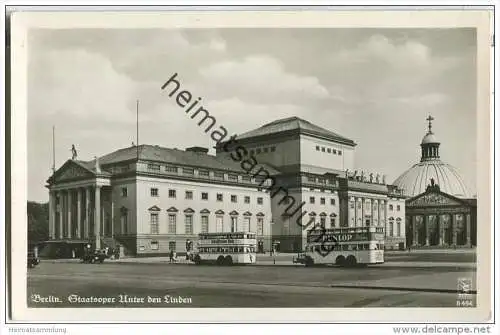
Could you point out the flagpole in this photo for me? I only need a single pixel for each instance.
(137, 128)
(53, 149)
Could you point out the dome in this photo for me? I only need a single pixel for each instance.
(415, 180)
(429, 138)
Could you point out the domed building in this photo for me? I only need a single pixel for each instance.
(414, 181)
(440, 210)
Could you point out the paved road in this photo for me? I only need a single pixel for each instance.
(243, 286)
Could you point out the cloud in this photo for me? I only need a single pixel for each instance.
(78, 83)
(260, 78)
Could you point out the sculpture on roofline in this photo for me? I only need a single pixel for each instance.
(74, 153)
(377, 179)
(371, 177)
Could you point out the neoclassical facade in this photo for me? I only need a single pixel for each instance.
(149, 199)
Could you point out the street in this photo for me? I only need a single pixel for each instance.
(139, 284)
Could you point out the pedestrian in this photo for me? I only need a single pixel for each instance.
(171, 255)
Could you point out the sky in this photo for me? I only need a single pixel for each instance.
(374, 86)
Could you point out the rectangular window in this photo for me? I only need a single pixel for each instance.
(340, 153)
(232, 177)
(398, 207)
(312, 200)
(171, 194)
(311, 179)
(153, 167)
(260, 226)
(329, 150)
(322, 149)
(322, 201)
(246, 224)
(391, 207)
(322, 221)
(154, 223)
(219, 197)
(234, 198)
(266, 150)
(317, 148)
(189, 171)
(247, 199)
(154, 192)
(189, 195)
(332, 222)
(171, 169)
(273, 149)
(334, 151)
(172, 224)
(332, 202)
(171, 245)
(234, 224)
(203, 173)
(260, 201)
(124, 192)
(204, 224)
(154, 245)
(219, 224)
(204, 195)
(188, 224)
(219, 175)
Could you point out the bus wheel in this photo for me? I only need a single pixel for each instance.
(197, 260)
(340, 260)
(351, 261)
(228, 260)
(220, 260)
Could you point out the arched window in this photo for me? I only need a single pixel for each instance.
(390, 228)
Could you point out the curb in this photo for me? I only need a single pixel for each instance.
(394, 288)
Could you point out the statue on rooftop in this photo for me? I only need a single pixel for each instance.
(371, 177)
(74, 154)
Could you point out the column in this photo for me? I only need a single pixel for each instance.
(113, 215)
(69, 232)
(61, 214)
(379, 223)
(440, 228)
(355, 211)
(372, 218)
(362, 212)
(426, 229)
(454, 228)
(467, 227)
(385, 213)
(97, 215)
(52, 214)
(87, 213)
(415, 229)
(79, 214)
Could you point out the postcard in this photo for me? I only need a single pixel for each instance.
(324, 165)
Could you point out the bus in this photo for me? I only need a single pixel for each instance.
(225, 248)
(346, 246)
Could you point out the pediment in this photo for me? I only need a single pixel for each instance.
(154, 209)
(205, 211)
(247, 213)
(71, 171)
(433, 199)
(189, 210)
(172, 210)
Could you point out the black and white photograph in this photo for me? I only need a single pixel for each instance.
(254, 166)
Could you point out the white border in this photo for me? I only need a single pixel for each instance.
(22, 21)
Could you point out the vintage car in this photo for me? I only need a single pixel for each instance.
(33, 259)
(97, 256)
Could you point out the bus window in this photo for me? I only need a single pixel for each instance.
(345, 247)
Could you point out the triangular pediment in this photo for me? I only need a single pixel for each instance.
(172, 210)
(205, 211)
(72, 170)
(154, 209)
(189, 210)
(433, 198)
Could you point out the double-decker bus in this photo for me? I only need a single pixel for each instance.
(347, 246)
(226, 248)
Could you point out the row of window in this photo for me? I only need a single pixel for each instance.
(329, 150)
(368, 206)
(322, 201)
(261, 150)
(204, 196)
(219, 224)
(233, 250)
(346, 247)
(390, 229)
(201, 173)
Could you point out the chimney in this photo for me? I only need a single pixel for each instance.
(199, 150)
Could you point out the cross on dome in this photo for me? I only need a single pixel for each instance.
(430, 118)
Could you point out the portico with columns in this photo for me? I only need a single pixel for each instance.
(78, 210)
(437, 219)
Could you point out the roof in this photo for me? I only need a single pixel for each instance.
(429, 138)
(415, 180)
(172, 156)
(297, 124)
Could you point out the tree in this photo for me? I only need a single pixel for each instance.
(38, 222)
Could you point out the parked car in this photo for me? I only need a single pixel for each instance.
(97, 256)
(33, 259)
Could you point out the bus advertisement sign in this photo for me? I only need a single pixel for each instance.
(337, 237)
